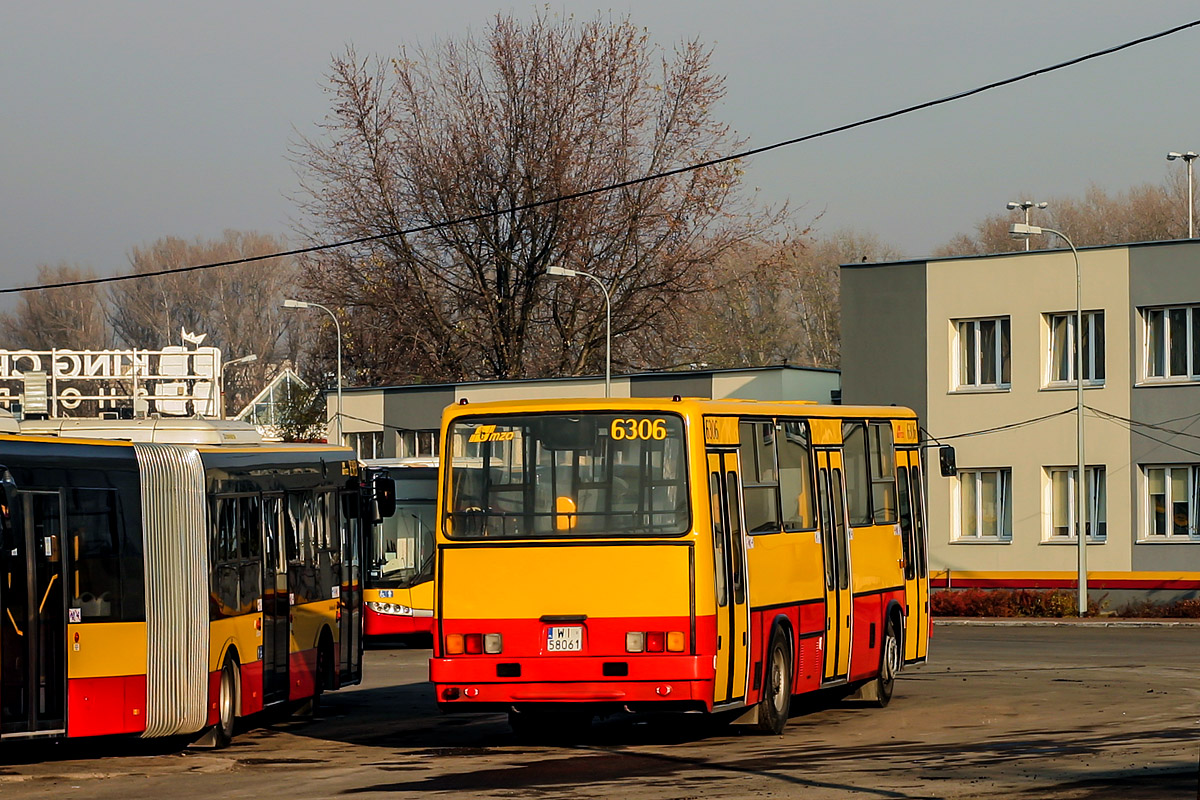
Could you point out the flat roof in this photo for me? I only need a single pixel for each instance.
(579, 378)
(1010, 254)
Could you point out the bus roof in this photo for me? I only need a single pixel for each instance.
(162, 430)
(685, 405)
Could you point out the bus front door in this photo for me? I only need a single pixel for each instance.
(33, 606)
(916, 567)
(729, 552)
(835, 547)
(276, 608)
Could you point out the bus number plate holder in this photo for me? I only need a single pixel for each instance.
(564, 639)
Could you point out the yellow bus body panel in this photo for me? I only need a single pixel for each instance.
(876, 556)
(784, 568)
(239, 632)
(106, 649)
(307, 621)
(627, 580)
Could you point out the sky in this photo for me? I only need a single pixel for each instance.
(122, 122)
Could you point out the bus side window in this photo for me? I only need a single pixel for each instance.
(795, 478)
(882, 457)
(906, 524)
(96, 553)
(858, 480)
(760, 477)
(714, 489)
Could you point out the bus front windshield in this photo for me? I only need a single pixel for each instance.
(403, 547)
(567, 475)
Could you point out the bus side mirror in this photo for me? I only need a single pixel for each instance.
(946, 457)
(384, 490)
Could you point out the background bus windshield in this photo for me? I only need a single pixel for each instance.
(567, 475)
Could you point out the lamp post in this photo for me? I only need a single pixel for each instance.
(221, 379)
(337, 327)
(1025, 205)
(570, 273)
(1188, 158)
(1023, 231)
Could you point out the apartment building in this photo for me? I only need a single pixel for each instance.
(983, 348)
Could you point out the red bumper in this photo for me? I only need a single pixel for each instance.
(376, 624)
(477, 680)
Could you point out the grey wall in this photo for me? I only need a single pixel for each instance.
(883, 335)
(670, 385)
(416, 409)
(1161, 275)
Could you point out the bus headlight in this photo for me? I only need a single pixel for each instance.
(391, 609)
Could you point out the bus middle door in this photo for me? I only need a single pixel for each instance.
(729, 552)
(835, 546)
(916, 571)
(276, 609)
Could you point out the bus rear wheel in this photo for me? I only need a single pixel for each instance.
(777, 685)
(222, 732)
(878, 690)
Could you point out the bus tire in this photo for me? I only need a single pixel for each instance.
(878, 690)
(227, 696)
(776, 698)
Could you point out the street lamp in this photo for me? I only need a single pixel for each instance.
(570, 273)
(1025, 205)
(337, 327)
(1188, 158)
(221, 379)
(1023, 231)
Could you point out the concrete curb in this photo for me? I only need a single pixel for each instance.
(1031, 622)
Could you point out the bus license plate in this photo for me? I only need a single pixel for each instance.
(564, 639)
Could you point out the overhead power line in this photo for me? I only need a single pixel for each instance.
(623, 184)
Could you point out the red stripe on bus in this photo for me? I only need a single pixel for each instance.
(102, 706)
(376, 624)
(252, 687)
(302, 667)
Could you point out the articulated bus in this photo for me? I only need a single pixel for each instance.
(597, 556)
(398, 590)
(164, 577)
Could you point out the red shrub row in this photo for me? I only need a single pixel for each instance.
(1044, 603)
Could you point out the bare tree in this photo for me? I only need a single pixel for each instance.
(1144, 213)
(779, 302)
(483, 130)
(237, 306)
(71, 317)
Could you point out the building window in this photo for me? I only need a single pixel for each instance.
(1063, 499)
(1171, 495)
(1062, 348)
(1172, 343)
(985, 508)
(368, 444)
(416, 444)
(984, 353)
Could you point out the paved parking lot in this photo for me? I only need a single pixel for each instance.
(1015, 712)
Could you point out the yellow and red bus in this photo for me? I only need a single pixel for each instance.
(398, 590)
(165, 577)
(675, 554)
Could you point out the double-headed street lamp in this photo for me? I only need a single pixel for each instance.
(1188, 158)
(1025, 205)
(570, 273)
(337, 327)
(1020, 230)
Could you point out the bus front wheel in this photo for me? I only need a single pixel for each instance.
(777, 686)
